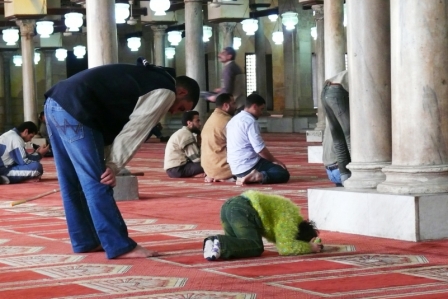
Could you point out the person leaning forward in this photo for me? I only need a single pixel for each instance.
(113, 106)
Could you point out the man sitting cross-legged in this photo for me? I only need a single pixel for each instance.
(16, 165)
(248, 157)
(214, 140)
(253, 215)
(182, 154)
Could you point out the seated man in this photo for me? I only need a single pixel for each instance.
(214, 140)
(253, 215)
(182, 154)
(247, 155)
(16, 165)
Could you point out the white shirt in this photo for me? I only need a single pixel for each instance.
(244, 142)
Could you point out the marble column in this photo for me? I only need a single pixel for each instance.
(419, 43)
(6, 121)
(320, 64)
(194, 54)
(159, 44)
(335, 42)
(260, 54)
(28, 77)
(368, 38)
(48, 54)
(102, 43)
(227, 32)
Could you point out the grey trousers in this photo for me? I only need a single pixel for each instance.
(335, 100)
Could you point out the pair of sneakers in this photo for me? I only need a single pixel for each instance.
(4, 180)
(212, 249)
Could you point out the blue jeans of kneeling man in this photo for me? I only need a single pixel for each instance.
(91, 212)
(272, 173)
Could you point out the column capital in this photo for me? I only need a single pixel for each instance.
(159, 28)
(26, 27)
(227, 27)
(319, 11)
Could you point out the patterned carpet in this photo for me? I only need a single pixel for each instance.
(173, 216)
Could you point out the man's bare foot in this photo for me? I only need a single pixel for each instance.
(137, 252)
(208, 179)
(229, 180)
(200, 175)
(253, 177)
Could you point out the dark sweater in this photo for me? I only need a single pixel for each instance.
(104, 97)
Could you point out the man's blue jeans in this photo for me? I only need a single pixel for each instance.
(272, 173)
(91, 212)
(335, 176)
(335, 100)
(243, 229)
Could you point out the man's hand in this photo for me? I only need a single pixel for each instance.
(108, 177)
(212, 98)
(42, 150)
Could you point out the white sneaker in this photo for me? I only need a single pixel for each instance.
(212, 249)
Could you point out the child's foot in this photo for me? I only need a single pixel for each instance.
(212, 249)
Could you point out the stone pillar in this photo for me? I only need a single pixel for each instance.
(159, 44)
(291, 62)
(419, 42)
(370, 97)
(260, 54)
(227, 30)
(29, 86)
(194, 54)
(48, 54)
(335, 42)
(6, 122)
(102, 43)
(320, 64)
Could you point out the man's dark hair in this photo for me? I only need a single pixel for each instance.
(254, 99)
(32, 128)
(191, 86)
(188, 116)
(223, 98)
(231, 51)
(307, 231)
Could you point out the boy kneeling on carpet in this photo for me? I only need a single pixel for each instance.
(252, 215)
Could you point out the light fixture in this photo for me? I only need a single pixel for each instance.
(44, 28)
(206, 33)
(174, 37)
(17, 60)
(169, 52)
(290, 19)
(79, 51)
(314, 32)
(36, 57)
(236, 42)
(273, 17)
(250, 26)
(159, 6)
(61, 54)
(134, 43)
(277, 37)
(121, 12)
(73, 20)
(10, 36)
(345, 16)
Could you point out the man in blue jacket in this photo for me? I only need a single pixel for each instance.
(97, 120)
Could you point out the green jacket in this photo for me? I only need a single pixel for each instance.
(280, 218)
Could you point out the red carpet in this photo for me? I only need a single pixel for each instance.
(173, 216)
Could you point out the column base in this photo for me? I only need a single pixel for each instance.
(314, 136)
(415, 179)
(315, 154)
(365, 175)
(370, 213)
